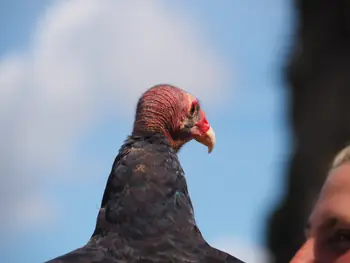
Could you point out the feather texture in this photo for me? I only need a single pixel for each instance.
(146, 212)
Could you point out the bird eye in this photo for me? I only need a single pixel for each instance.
(193, 109)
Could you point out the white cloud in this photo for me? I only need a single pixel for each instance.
(242, 250)
(89, 60)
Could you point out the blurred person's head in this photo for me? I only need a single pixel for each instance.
(328, 228)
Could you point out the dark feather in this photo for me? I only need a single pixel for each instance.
(146, 213)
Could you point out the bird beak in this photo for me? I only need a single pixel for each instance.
(203, 133)
(208, 139)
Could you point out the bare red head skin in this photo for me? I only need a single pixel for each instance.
(175, 113)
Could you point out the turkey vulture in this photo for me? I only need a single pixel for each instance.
(146, 213)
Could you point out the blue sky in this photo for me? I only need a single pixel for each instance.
(233, 52)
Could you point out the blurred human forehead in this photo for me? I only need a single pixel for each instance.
(338, 181)
(334, 199)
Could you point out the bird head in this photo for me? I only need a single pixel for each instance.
(175, 113)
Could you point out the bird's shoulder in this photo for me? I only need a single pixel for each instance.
(84, 254)
(89, 254)
(214, 255)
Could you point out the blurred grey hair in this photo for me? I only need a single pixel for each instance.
(342, 157)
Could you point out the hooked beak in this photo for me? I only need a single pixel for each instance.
(208, 139)
(203, 133)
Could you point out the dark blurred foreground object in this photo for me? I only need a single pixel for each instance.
(146, 213)
(319, 113)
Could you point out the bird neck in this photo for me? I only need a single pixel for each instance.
(146, 183)
(146, 128)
